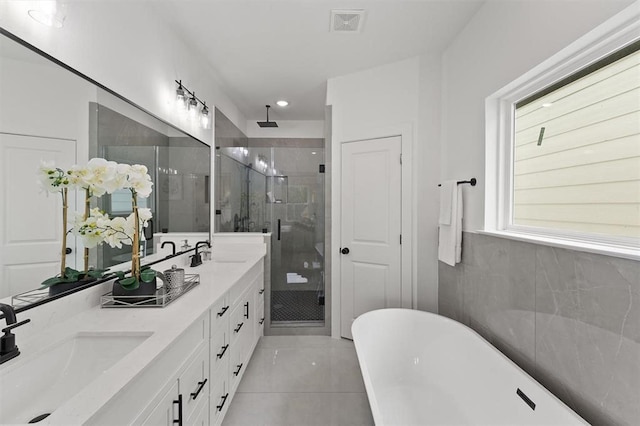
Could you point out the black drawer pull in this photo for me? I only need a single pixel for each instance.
(222, 312)
(179, 402)
(246, 310)
(237, 329)
(261, 321)
(261, 291)
(224, 349)
(195, 394)
(224, 399)
(235, 373)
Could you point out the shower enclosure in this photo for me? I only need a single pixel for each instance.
(279, 190)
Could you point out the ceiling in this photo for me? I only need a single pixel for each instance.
(266, 50)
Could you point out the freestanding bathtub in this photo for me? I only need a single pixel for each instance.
(425, 369)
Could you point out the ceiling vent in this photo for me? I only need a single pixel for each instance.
(347, 21)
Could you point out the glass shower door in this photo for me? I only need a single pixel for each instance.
(295, 200)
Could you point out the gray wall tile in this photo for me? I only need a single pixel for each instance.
(570, 319)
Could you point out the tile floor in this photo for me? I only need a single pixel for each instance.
(301, 380)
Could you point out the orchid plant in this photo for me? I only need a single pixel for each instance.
(94, 226)
(119, 231)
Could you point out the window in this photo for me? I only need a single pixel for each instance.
(576, 163)
(563, 147)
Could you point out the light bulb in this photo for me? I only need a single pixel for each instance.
(204, 119)
(193, 107)
(181, 98)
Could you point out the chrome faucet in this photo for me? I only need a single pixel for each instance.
(173, 246)
(8, 348)
(196, 259)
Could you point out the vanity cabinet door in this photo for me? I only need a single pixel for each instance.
(168, 409)
(194, 383)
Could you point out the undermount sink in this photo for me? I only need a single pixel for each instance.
(37, 385)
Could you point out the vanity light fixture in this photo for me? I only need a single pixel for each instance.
(282, 103)
(187, 100)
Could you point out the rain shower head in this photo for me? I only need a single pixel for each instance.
(267, 123)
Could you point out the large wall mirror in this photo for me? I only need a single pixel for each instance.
(50, 112)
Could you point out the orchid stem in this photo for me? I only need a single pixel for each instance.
(63, 253)
(87, 210)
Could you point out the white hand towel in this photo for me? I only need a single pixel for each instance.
(448, 193)
(450, 237)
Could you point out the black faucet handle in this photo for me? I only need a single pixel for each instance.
(17, 324)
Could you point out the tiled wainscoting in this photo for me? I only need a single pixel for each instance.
(570, 319)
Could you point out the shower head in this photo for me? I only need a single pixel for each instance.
(267, 123)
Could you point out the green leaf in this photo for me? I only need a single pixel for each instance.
(129, 283)
(71, 274)
(119, 274)
(147, 275)
(52, 281)
(96, 273)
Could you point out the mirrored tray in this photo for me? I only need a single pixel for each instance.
(162, 297)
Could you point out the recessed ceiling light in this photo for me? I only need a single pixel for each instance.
(547, 104)
(282, 103)
(313, 153)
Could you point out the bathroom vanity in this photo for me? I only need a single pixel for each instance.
(175, 365)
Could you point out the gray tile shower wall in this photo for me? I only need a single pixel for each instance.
(570, 319)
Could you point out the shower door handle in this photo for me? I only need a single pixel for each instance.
(278, 229)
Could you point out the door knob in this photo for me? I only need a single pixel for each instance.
(345, 250)
(68, 250)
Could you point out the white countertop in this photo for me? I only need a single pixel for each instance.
(165, 325)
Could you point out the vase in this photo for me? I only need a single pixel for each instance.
(143, 295)
(65, 287)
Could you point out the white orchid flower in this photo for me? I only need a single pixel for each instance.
(51, 178)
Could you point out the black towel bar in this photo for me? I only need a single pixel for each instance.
(471, 181)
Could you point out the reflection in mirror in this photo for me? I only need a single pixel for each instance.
(178, 164)
(50, 112)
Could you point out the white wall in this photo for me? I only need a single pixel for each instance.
(286, 129)
(503, 41)
(428, 177)
(125, 47)
(369, 104)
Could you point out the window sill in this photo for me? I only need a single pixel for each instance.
(604, 249)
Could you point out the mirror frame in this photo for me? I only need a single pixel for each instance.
(13, 37)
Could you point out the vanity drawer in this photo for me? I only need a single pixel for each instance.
(219, 348)
(239, 321)
(220, 313)
(259, 319)
(238, 359)
(194, 382)
(200, 416)
(220, 400)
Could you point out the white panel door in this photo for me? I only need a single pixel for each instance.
(371, 226)
(30, 220)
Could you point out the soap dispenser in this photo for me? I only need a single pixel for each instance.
(184, 248)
